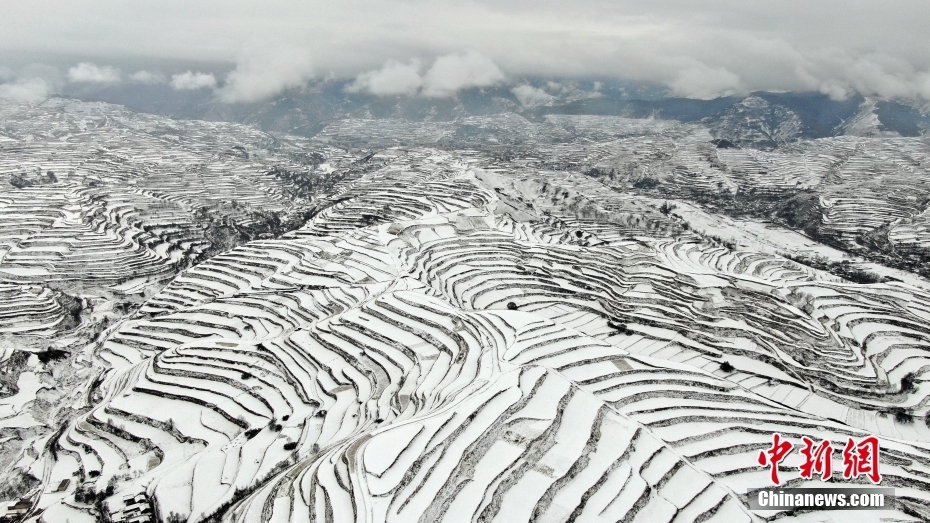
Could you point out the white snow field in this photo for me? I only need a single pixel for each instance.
(422, 351)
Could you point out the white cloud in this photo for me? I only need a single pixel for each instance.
(705, 83)
(453, 72)
(26, 89)
(925, 86)
(557, 87)
(873, 47)
(87, 72)
(189, 81)
(265, 72)
(878, 75)
(392, 79)
(835, 90)
(448, 74)
(6, 73)
(530, 96)
(147, 77)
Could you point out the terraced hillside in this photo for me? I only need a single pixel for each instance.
(99, 209)
(864, 195)
(101, 200)
(447, 340)
(574, 318)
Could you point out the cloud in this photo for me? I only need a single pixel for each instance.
(392, 79)
(147, 77)
(881, 75)
(189, 81)
(453, 72)
(530, 96)
(558, 87)
(448, 74)
(925, 87)
(836, 91)
(265, 72)
(87, 72)
(705, 83)
(30, 83)
(877, 48)
(26, 90)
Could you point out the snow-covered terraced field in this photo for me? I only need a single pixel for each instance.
(101, 200)
(859, 193)
(444, 342)
(32, 309)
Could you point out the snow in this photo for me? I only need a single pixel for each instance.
(29, 383)
(408, 383)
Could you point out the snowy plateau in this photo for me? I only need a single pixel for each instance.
(492, 318)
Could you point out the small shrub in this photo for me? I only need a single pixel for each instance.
(907, 383)
(902, 416)
(723, 143)
(320, 414)
(51, 354)
(277, 427)
(726, 366)
(511, 306)
(251, 433)
(646, 183)
(286, 417)
(85, 495)
(19, 181)
(246, 375)
(290, 445)
(619, 327)
(863, 276)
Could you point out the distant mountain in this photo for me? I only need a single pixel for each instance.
(866, 122)
(904, 119)
(756, 122)
(762, 119)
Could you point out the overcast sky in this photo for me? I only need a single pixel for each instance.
(432, 48)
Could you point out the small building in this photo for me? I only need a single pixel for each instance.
(136, 509)
(16, 511)
(135, 499)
